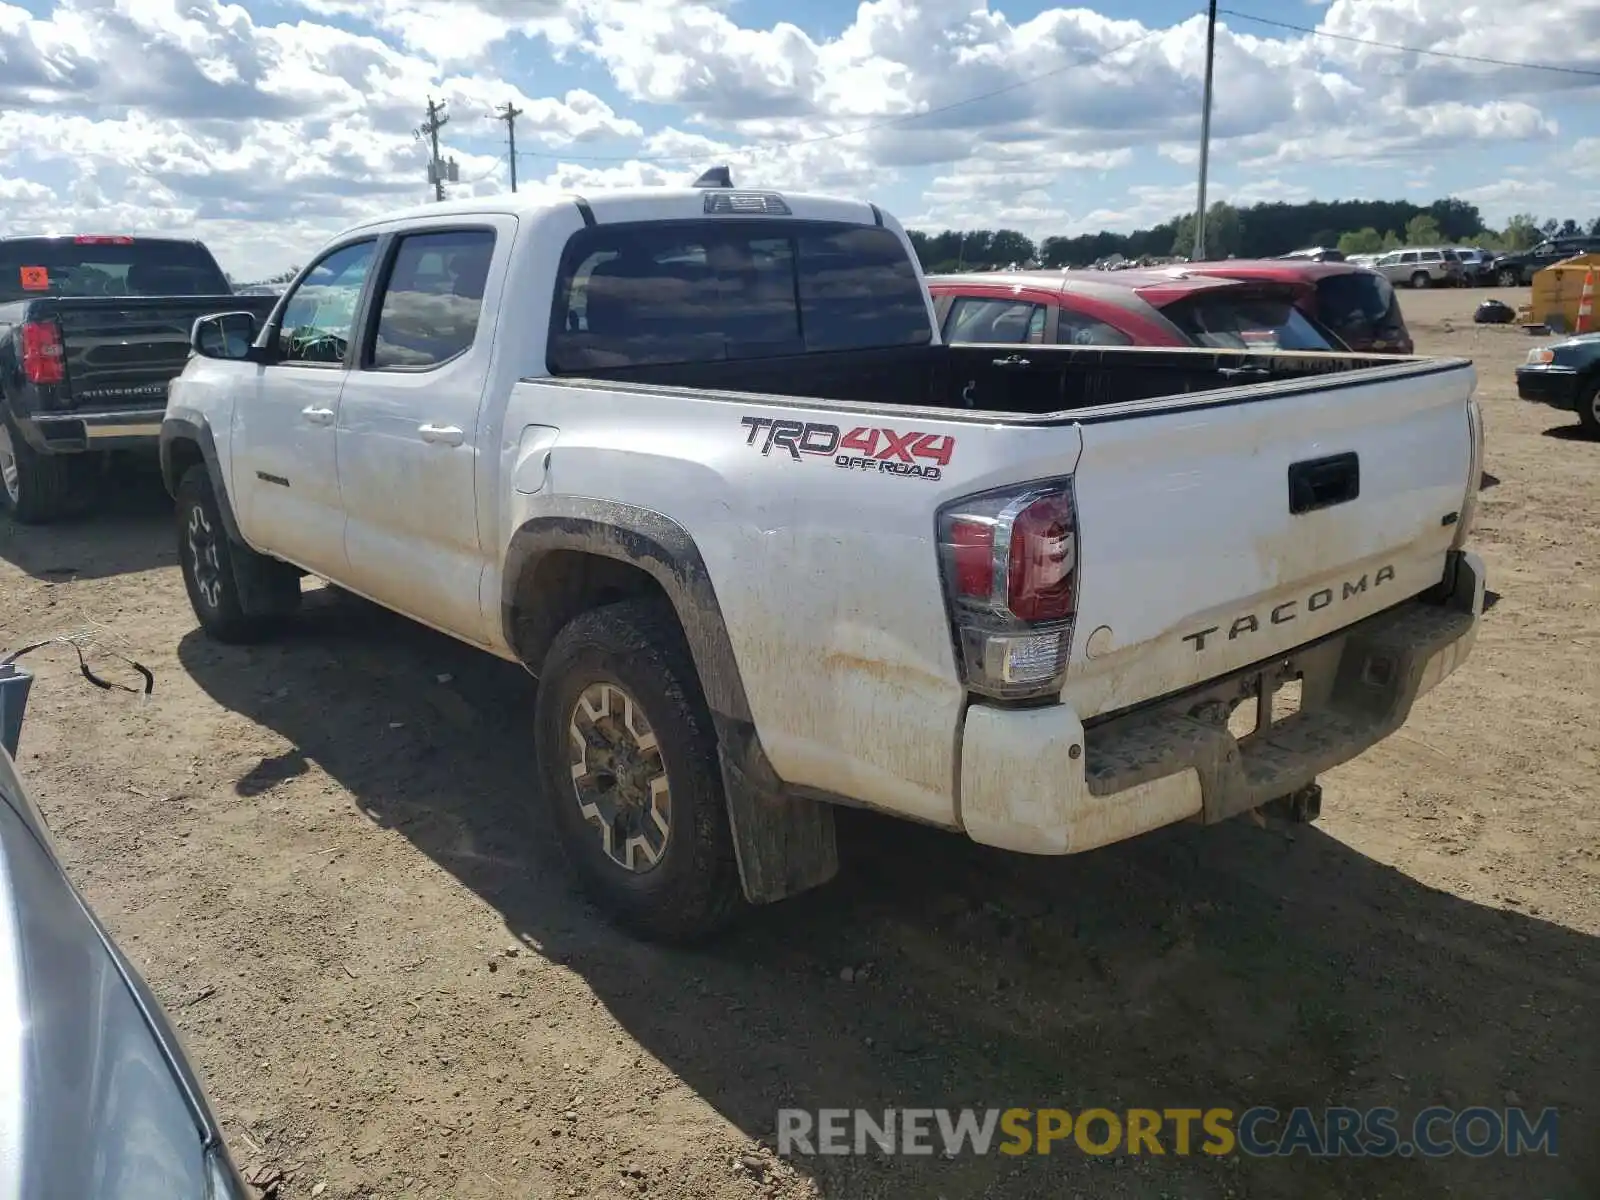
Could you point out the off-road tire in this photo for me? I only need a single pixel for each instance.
(637, 646)
(46, 487)
(238, 595)
(1589, 406)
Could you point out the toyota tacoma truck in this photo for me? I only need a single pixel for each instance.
(92, 328)
(699, 460)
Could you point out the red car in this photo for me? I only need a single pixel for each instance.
(1162, 306)
(1359, 305)
(1285, 303)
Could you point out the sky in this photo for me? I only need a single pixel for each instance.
(264, 127)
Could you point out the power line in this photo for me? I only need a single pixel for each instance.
(885, 123)
(1472, 58)
(509, 115)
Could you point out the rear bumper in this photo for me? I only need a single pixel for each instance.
(1548, 384)
(1038, 782)
(76, 432)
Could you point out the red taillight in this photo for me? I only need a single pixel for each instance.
(972, 549)
(43, 359)
(1043, 554)
(1010, 568)
(103, 239)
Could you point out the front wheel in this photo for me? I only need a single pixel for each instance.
(238, 595)
(629, 772)
(1508, 277)
(1589, 407)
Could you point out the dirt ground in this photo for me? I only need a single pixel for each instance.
(314, 851)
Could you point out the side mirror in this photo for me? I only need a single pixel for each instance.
(14, 685)
(229, 335)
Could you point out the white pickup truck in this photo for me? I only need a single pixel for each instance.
(697, 458)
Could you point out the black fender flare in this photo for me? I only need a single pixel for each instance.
(784, 841)
(657, 545)
(176, 430)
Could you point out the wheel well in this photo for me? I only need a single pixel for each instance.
(564, 583)
(182, 454)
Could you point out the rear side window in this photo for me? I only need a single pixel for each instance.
(977, 319)
(1245, 323)
(704, 291)
(1080, 329)
(1358, 304)
(433, 298)
(107, 267)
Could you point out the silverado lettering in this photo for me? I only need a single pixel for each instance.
(1282, 614)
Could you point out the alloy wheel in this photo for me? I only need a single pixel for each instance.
(619, 779)
(204, 557)
(9, 475)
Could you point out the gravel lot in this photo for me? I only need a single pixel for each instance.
(314, 852)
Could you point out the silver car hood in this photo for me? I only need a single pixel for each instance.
(95, 1100)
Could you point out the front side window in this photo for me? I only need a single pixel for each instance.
(317, 319)
(433, 298)
(1011, 322)
(709, 291)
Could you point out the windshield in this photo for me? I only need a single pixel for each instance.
(1358, 306)
(1229, 322)
(107, 267)
(706, 291)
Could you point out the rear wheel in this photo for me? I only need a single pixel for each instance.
(238, 595)
(1420, 280)
(39, 488)
(1589, 407)
(630, 775)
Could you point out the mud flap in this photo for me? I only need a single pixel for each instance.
(785, 844)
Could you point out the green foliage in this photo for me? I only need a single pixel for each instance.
(1362, 241)
(1423, 230)
(1260, 231)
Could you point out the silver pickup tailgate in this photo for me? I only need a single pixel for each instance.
(1232, 528)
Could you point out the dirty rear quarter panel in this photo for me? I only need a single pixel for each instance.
(827, 576)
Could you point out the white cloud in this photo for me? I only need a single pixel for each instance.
(269, 134)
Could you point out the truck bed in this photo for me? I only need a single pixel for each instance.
(1030, 380)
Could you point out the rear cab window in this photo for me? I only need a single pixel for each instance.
(704, 291)
(107, 266)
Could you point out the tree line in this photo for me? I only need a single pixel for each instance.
(1259, 231)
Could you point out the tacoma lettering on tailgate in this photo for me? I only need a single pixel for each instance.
(873, 448)
(1282, 614)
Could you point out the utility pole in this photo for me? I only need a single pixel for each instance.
(429, 129)
(1205, 137)
(509, 115)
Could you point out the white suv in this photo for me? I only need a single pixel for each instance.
(1421, 267)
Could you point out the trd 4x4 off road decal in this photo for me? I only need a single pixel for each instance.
(864, 448)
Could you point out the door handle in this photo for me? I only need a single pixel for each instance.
(441, 435)
(1011, 360)
(318, 416)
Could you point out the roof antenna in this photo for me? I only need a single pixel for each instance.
(716, 177)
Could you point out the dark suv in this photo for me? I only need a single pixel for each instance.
(1514, 270)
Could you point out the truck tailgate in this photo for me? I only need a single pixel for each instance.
(1229, 530)
(122, 351)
